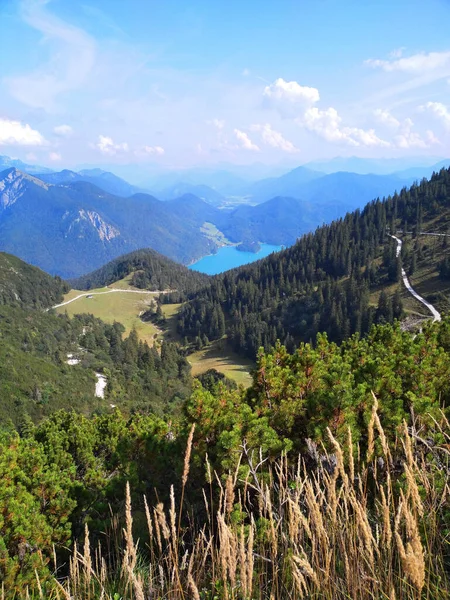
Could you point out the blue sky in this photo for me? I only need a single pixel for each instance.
(207, 81)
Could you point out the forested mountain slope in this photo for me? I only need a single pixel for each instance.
(279, 221)
(35, 377)
(323, 282)
(27, 286)
(151, 270)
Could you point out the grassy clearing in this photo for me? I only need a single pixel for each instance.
(74, 293)
(170, 332)
(215, 234)
(125, 283)
(124, 308)
(217, 355)
(171, 310)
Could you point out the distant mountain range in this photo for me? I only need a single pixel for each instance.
(204, 192)
(290, 184)
(73, 228)
(6, 163)
(378, 166)
(70, 223)
(351, 188)
(103, 179)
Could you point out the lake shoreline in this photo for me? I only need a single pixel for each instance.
(229, 257)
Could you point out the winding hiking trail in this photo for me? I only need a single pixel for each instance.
(111, 291)
(411, 290)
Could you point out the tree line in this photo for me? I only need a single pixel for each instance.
(322, 283)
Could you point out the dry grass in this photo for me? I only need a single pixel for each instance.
(218, 355)
(342, 529)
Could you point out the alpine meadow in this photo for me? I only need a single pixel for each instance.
(174, 426)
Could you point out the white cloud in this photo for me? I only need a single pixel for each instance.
(327, 124)
(274, 138)
(218, 123)
(106, 145)
(31, 156)
(72, 59)
(17, 133)
(288, 97)
(149, 150)
(297, 101)
(432, 139)
(404, 136)
(407, 138)
(417, 63)
(292, 91)
(244, 141)
(440, 111)
(63, 130)
(386, 118)
(54, 156)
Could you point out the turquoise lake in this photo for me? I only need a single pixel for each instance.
(228, 257)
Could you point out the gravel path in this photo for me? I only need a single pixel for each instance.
(411, 290)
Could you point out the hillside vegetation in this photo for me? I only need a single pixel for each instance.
(325, 281)
(305, 485)
(35, 379)
(27, 286)
(151, 271)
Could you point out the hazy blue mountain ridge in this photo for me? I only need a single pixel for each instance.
(68, 223)
(74, 228)
(102, 179)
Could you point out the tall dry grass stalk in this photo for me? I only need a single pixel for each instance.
(184, 478)
(365, 530)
